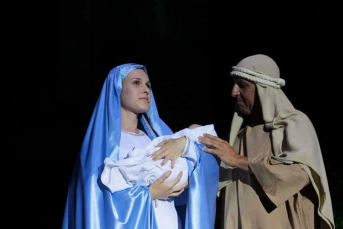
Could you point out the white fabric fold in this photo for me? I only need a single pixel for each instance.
(137, 168)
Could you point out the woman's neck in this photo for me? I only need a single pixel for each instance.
(129, 121)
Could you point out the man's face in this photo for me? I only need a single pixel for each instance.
(244, 92)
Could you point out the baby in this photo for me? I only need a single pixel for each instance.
(137, 168)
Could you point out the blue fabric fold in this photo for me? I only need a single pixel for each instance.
(90, 205)
(200, 198)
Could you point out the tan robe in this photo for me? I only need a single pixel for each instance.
(271, 195)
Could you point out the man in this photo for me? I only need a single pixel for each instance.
(272, 170)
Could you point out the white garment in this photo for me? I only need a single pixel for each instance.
(135, 167)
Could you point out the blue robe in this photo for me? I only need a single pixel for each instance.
(91, 205)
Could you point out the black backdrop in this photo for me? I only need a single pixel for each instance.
(58, 55)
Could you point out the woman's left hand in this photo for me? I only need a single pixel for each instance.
(171, 149)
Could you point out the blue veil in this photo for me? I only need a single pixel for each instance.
(91, 205)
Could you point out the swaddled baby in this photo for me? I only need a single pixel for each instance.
(137, 168)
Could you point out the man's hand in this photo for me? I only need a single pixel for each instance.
(224, 151)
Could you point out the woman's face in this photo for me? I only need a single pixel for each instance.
(244, 92)
(135, 95)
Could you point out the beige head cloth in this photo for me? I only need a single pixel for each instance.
(294, 139)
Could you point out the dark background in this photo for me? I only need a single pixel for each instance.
(58, 55)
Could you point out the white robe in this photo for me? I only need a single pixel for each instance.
(135, 167)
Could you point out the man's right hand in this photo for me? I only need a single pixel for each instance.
(224, 151)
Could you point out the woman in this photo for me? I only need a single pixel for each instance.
(126, 104)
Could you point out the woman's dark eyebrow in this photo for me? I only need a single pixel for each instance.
(140, 80)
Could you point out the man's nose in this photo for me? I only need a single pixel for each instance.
(235, 90)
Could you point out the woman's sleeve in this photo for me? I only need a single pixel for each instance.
(95, 207)
(192, 139)
(189, 150)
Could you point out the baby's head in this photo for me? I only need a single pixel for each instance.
(193, 126)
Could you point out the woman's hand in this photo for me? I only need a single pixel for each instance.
(171, 149)
(224, 151)
(163, 190)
